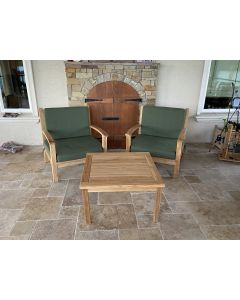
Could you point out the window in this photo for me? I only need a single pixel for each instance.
(220, 83)
(17, 94)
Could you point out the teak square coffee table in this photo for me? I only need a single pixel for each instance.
(120, 172)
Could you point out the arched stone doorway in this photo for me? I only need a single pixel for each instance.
(114, 106)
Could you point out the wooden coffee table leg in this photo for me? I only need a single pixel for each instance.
(157, 205)
(86, 206)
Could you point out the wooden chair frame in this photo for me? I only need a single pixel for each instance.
(52, 155)
(174, 162)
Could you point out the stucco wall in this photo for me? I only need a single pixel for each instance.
(178, 86)
(50, 83)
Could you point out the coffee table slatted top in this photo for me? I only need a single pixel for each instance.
(120, 171)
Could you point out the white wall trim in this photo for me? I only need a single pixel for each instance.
(203, 90)
(30, 90)
(209, 117)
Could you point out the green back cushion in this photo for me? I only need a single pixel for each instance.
(162, 121)
(67, 122)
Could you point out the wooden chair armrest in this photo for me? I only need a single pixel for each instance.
(48, 137)
(99, 130)
(182, 134)
(103, 134)
(132, 130)
(52, 146)
(129, 134)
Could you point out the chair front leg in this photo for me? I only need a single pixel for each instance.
(176, 169)
(178, 158)
(104, 143)
(128, 142)
(45, 156)
(53, 160)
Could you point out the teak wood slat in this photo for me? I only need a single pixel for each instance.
(118, 172)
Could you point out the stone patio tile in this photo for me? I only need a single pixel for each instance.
(23, 228)
(104, 217)
(29, 176)
(34, 156)
(41, 182)
(235, 195)
(14, 199)
(10, 176)
(192, 179)
(210, 191)
(180, 227)
(229, 170)
(211, 212)
(179, 190)
(73, 172)
(97, 235)
(164, 170)
(42, 208)
(197, 148)
(129, 234)
(211, 207)
(191, 164)
(140, 234)
(54, 230)
(25, 167)
(26, 183)
(126, 215)
(37, 193)
(73, 194)
(18, 237)
(10, 184)
(58, 189)
(146, 221)
(69, 212)
(8, 217)
(43, 175)
(115, 198)
(187, 172)
(144, 203)
(222, 232)
(210, 175)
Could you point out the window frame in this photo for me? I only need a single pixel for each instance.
(203, 93)
(27, 66)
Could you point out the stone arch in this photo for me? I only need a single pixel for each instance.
(92, 82)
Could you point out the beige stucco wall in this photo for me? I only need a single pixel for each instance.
(50, 83)
(178, 86)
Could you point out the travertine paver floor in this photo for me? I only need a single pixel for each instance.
(202, 203)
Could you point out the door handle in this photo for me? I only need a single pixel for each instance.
(110, 118)
(92, 100)
(133, 100)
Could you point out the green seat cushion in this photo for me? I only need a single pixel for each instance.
(67, 122)
(75, 148)
(157, 146)
(162, 121)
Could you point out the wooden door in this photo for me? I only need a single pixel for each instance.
(114, 106)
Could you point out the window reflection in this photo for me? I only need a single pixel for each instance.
(13, 84)
(220, 90)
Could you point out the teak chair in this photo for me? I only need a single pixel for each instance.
(66, 133)
(162, 131)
